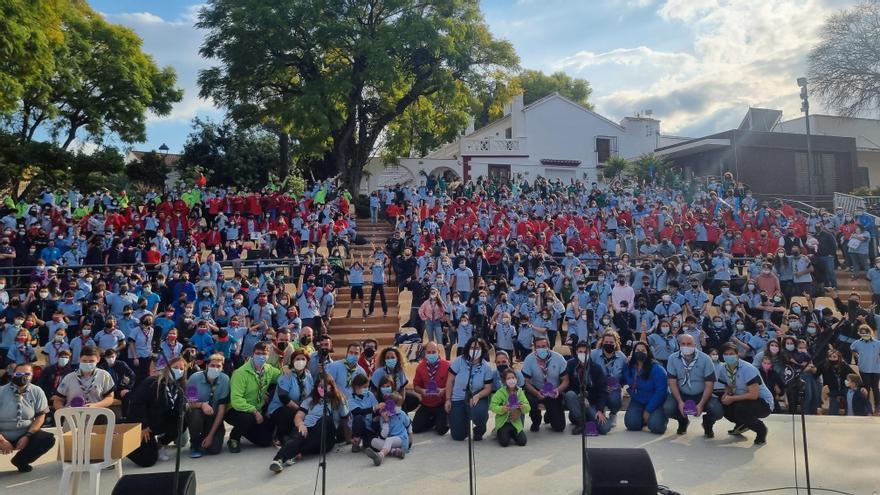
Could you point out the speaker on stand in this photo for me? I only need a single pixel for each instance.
(621, 472)
(155, 483)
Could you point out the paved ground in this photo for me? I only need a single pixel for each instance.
(843, 454)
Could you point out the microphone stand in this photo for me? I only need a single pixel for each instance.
(585, 459)
(181, 419)
(472, 481)
(325, 416)
(799, 385)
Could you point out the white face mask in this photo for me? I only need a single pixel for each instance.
(476, 354)
(299, 365)
(582, 357)
(511, 382)
(687, 351)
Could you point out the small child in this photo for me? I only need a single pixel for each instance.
(856, 396)
(395, 431)
(56, 345)
(362, 405)
(509, 403)
(21, 352)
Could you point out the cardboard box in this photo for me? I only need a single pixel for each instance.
(126, 439)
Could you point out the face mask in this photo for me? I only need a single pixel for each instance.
(664, 330)
(351, 359)
(176, 373)
(110, 362)
(714, 357)
(543, 353)
(847, 383)
(391, 363)
(475, 354)
(667, 298)
(260, 359)
(282, 345)
(688, 351)
(640, 357)
(730, 360)
(740, 326)
(432, 358)
(305, 340)
(299, 364)
(608, 348)
(386, 391)
(59, 338)
(87, 367)
(21, 381)
(718, 324)
(794, 325)
(213, 373)
(811, 330)
(582, 357)
(796, 310)
(865, 336)
(511, 382)
(86, 332)
(62, 362)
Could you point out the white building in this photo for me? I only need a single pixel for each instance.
(553, 137)
(865, 131)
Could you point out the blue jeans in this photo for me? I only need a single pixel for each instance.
(828, 269)
(458, 419)
(634, 421)
(812, 393)
(435, 331)
(374, 214)
(615, 401)
(576, 412)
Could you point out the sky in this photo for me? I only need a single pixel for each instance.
(697, 64)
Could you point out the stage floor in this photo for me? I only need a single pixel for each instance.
(844, 455)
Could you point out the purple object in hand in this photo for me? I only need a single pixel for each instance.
(548, 390)
(390, 406)
(432, 388)
(590, 429)
(690, 408)
(512, 400)
(613, 384)
(192, 394)
(77, 402)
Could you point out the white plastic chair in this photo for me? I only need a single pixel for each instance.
(80, 421)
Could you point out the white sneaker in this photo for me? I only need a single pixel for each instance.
(163, 455)
(276, 467)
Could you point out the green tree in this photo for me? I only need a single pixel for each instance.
(151, 171)
(341, 72)
(650, 167)
(615, 167)
(29, 32)
(230, 154)
(102, 83)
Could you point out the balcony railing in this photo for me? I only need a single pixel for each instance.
(493, 146)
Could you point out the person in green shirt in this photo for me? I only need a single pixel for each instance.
(248, 399)
(509, 412)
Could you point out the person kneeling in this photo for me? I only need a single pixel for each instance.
(395, 431)
(509, 403)
(156, 404)
(311, 421)
(205, 416)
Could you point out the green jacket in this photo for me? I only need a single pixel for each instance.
(500, 399)
(248, 391)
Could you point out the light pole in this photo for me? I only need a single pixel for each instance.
(805, 107)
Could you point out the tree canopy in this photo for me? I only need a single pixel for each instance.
(334, 75)
(845, 65)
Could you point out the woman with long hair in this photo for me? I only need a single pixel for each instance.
(311, 420)
(156, 404)
(647, 389)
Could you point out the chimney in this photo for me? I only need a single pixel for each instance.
(470, 126)
(518, 119)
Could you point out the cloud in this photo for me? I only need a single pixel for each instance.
(173, 42)
(743, 52)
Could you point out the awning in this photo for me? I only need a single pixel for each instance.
(556, 163)
(692, 147)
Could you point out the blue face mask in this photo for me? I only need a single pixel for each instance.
(730, 360)
(432, 358)
(351, 359)
(260, 359)
(543, 353)
(390, 363)
(386, 391)
(176, 373)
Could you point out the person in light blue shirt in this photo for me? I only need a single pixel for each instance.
(546, 383)
(294, 385)
(391, 365)
(867, 348)
(502, 362)
(691, 376)
(470, 377)
(309, 425)
(524, 334)
(613, 361)
(667, 308)
(465, 332)
(205, 415)
(344, 371)
(746, 399)
(505, 333)
(395, 432)
(662, 342)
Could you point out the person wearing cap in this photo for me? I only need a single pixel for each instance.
(23, 409)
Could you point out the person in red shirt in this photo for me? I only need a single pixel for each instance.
(430, 384)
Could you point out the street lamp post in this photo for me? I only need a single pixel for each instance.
(805, 107)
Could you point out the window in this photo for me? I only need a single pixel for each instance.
(508, 133)
(499, 173)
(606, 147)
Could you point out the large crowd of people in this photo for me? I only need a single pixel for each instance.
(563, 303)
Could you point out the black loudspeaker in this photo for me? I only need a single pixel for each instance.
(156, 484)
(621, 472)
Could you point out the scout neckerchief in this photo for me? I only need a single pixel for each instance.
(86, 390)
(300, 377)
(731, 378)
(687, 369)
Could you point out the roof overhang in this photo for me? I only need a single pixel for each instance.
(560, 163)
(692, 147)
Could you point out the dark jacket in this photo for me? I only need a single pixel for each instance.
(123, 376)
(596, 386)
(153, 409)
(860, 405)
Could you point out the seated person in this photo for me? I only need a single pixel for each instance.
(23, 407)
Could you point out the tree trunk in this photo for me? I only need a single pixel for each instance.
(283, 155)
(353, 178)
